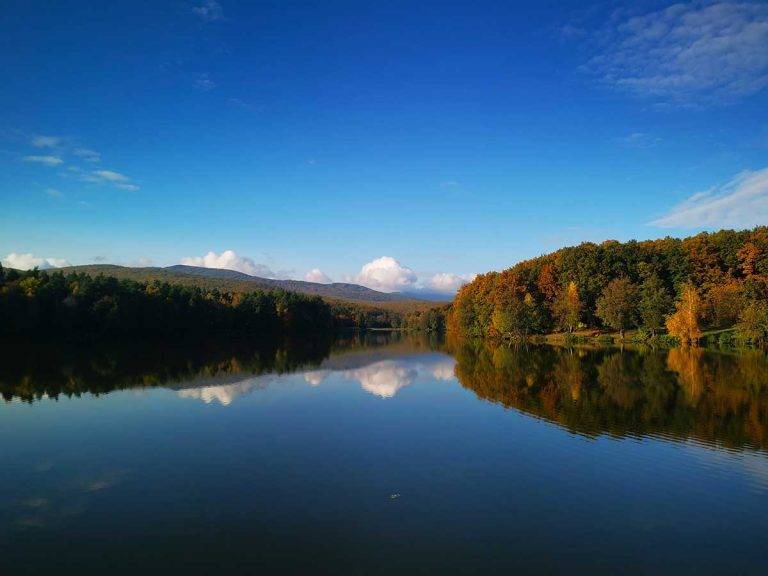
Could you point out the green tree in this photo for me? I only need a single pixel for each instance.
(753, 323)
(617, 307)
(514, 320)
(655, 303)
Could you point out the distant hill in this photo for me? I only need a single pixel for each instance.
(232, 280)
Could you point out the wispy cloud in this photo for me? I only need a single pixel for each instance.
(46, 160)
(46, 141)
(740, 203)
(106, 177)
(639, 140)
(87, 154)
(209, 11)
(204, 82)
(695, 53)
(110, 176)
(54, 193)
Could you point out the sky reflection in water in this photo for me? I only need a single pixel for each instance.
(283, 458)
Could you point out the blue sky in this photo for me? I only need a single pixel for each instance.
(394, 144)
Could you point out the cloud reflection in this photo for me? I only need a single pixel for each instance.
(381, 376)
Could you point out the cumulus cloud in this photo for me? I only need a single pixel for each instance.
(689, 53)
(448, 282)
(387, 275)
(46, 141)
(740, 203)
(28, 261)
(229, 260)
(47, 160)
(383, 379)
(317, 275)
(209, 11)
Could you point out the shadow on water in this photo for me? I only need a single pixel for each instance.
(681, 393)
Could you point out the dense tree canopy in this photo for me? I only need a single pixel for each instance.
(77, 305)
(728, 270)
(37, 304)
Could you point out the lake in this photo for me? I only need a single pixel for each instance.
(383, 453)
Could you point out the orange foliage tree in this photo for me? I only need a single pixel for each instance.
(684, 323)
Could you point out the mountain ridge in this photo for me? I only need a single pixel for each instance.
(240, 281)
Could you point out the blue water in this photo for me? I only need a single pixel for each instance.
(374, 458)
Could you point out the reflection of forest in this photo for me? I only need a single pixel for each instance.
(683, 392)
(34, 373)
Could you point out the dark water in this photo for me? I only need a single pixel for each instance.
(383, 454)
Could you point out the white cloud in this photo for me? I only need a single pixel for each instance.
(387, 275)
(46, 141)
(639, 140)
(695, 53)
(87, 154)
(209, 11)
(448, 282)
(384, 378)
(54, 193)
(444, 370)
(229, 260)
(315, 377)
(110, 176)
(204, 82)
(740, 203)
(47, 160)
(317, 275)
(28, 261)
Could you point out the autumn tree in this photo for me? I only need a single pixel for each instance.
(753, 323)
(547, 283)
(567, 307)
(655, 303)
(617, 307)
(516, 318)
(684, 323)
(723, 304)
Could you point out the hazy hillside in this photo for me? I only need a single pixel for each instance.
(234, 281)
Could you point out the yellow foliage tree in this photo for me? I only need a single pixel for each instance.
(684, 323)
(567, 307)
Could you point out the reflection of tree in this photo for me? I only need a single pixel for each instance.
(687, 363)
(70, 373)
(618, 375)
(692, 393)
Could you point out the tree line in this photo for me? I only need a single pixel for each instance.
(680, 287)
(41, 304)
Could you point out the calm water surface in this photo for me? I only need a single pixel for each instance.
(384, 454)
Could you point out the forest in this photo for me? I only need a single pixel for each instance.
(54, 305)
(668, 288)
